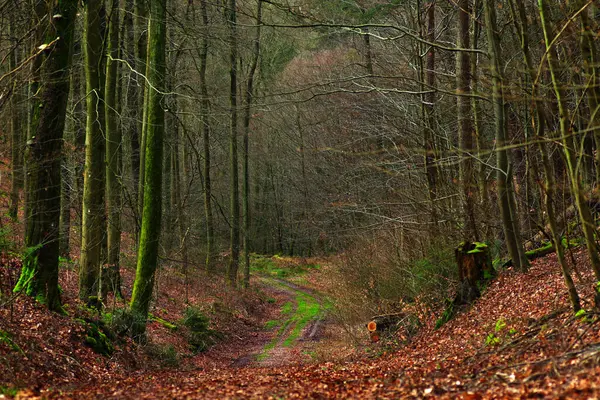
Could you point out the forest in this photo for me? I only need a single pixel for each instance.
(299, 198)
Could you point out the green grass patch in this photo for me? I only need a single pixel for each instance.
(269, 266)
(271, 324)
(307, 310)
(9, 391)
(287, 308)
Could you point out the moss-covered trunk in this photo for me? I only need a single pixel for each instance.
(151, 219)
(39, 276)
(140, 26)
(111, 279)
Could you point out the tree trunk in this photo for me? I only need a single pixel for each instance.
(429, 106)
(504, 176)
(465, 124)
(16, 142)
(232, 267)
(588, 224)
(111, 277)
(151, 219)
(592, 84)
(204, 107)
(93, 227)
(247, 117)
(140, 26)
(521, 25)
(39, 276)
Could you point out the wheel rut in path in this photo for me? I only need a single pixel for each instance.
(301, 323)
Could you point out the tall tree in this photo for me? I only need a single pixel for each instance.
(93, 228)
(570, 148)
(247, 117)
(428, 104)
(151, 219)
(204, 109)
(111, 276)
(504, 171)
(39, 276)
(16, 134)
(465, 123)
(232, 267)
(589, 54)
(519, 16)
(140, 26)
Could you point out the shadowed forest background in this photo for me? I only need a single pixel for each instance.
(342, 156)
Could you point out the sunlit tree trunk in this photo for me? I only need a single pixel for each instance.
(39, 275)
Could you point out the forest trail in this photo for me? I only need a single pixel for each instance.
(300, 324)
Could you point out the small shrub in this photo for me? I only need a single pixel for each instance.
(123, 322)
(167, 356)
(446, 315)
(201, 336)
(500, 325)
(492, 340)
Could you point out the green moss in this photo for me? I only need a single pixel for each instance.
(480, 247)
(98, 340)
(163, 322)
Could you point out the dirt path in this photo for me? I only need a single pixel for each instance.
(293, 333)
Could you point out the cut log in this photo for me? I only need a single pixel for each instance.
(384, 322)
(389, 324)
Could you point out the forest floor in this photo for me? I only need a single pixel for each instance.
(519, 340)
(282, 338)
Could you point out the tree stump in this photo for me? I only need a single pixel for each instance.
(474, 268)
